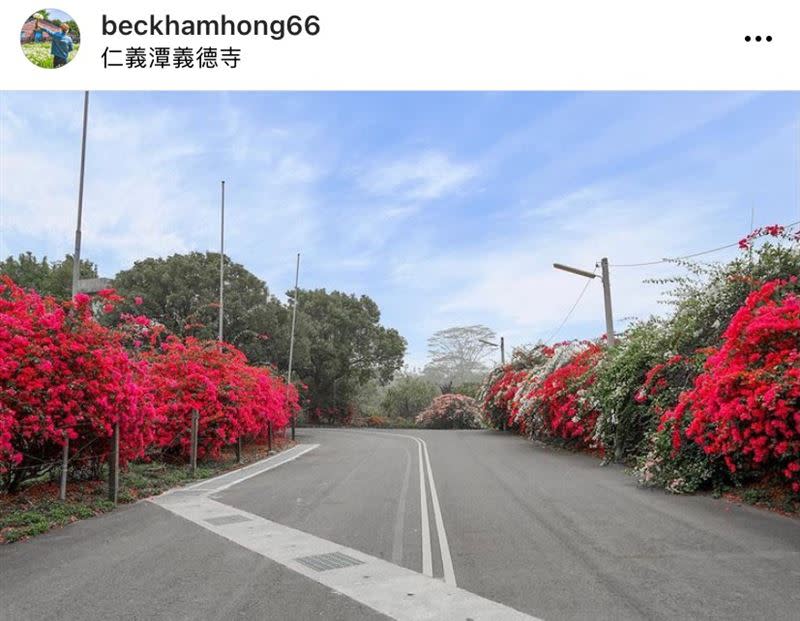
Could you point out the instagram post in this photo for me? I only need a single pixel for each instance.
(411, 311)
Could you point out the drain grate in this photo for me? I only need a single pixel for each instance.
(333, 560)
(227, 519)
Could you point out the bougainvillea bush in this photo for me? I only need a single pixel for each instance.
(451, 411)
(558, 405)
(64, 375)
(706, 395)
(744, 408)
(232, 399)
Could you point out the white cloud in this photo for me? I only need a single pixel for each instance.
(514, 286)
(423, 176)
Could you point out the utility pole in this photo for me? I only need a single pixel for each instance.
(606, 292)
(76, 255)
(607, 302)
(291, 338)
(502, 351)
(221, 261)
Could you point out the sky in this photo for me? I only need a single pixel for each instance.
(446, 208)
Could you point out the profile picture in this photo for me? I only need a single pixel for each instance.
(50, 38)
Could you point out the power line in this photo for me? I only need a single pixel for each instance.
(571, 310)
(690, 256)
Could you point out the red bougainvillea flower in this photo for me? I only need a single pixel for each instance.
(745, 405)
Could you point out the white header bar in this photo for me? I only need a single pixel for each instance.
(417, 44)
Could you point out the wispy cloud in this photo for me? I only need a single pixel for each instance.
(422, 176)
(443, 218)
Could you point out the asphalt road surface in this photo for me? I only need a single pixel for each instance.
(338, 530)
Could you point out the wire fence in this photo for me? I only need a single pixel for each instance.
(77, 463)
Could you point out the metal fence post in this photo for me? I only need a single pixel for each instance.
(113, 466)
(64, 465)
(193, 453)
(269, 436)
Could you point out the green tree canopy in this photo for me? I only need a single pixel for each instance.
(340, 345)
(182, 292)
(47, 278)
(408, 395)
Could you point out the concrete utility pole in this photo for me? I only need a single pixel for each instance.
(606, 293)
(502, 347)
(221, 260)
(291, 338)
(607, 302)
(76, 256)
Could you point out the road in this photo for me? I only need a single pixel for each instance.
(508, 530)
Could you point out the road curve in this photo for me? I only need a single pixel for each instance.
(545, 532)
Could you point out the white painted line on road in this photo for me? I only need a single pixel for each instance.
(444, 548)
(390, 589)
(229, 479)
(427, 552)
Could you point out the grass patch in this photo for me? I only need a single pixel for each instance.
(39, 54)
(37, 509)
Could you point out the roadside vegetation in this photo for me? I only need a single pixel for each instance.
(143, 358)
(707, 397)
(38, 508)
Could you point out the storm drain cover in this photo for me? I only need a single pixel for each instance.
(227, 519)
(333, 560)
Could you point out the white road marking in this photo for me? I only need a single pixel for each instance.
(427, 552)
(387, 588)
(224, 481)
(444, 548)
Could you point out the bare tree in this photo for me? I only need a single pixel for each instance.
(457, 355)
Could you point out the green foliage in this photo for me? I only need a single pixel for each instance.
(342, 345)
(182, 293)
(624, 423)
(47, 278)
(408, 395)
(468, 389)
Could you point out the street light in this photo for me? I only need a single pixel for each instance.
(502, 347)
(605, 279)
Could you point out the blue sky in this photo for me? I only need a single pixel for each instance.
(446, 208)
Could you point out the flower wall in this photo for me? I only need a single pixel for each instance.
(64, 375)
(450, 411)
(708, 396)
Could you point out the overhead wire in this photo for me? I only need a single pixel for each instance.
(555, 332)
(690, 256)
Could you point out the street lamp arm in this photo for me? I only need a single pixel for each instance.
(574, 270)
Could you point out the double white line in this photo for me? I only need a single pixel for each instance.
(427, 549)
(444, 548)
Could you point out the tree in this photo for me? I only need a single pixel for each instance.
(408, 395)
(457, 355)
(44, 277)
(182, 293)
(341, 345)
